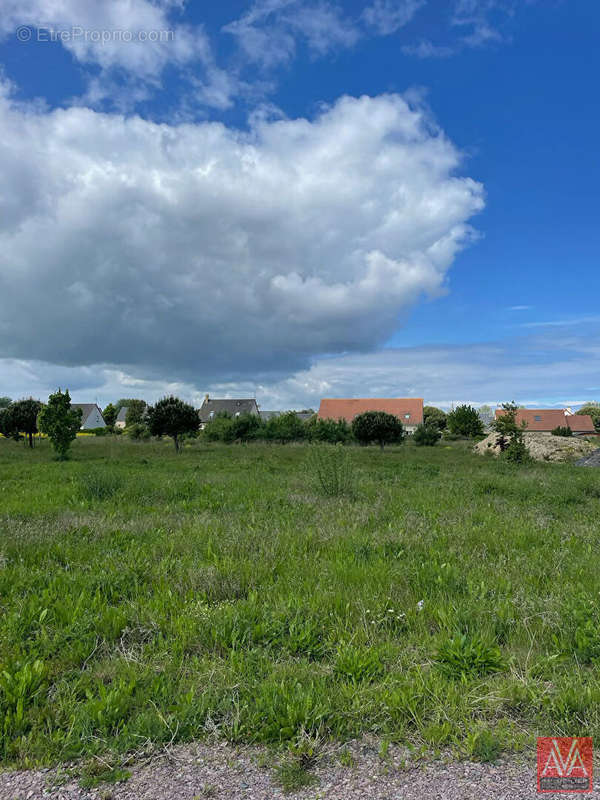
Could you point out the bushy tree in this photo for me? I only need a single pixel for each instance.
(6, 424)
(287, 427)
(60, 422)
(427, 435)
(435, 416)
(377, 427)
(110, 415)
(172, 417)
(464, 421)
(5, 402)
(219, 428)
(592, 410)
(333, 431)
(245, 427)
(136, 412)
(23, 417)
(510, 437)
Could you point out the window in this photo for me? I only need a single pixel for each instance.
(407, 416)
(537, 417)
(211, 415)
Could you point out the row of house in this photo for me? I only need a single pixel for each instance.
(409, 411)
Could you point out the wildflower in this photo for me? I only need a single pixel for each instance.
(420, 605)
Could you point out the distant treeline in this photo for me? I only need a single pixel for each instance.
(287, 427)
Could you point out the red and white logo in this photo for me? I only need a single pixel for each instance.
(565, 764)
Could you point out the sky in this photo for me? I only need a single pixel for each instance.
(295, 200)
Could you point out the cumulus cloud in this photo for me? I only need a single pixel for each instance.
(204, 251)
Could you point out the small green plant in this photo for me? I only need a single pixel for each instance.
(292, 776)
(483, 746)
(98, 771)
(469, 656)
(331, 470)
(346, 758)
(358, 663)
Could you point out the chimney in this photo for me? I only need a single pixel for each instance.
(206, 398)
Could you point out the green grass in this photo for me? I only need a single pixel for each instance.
(448, 601)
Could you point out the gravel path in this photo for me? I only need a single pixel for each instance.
(222, 772)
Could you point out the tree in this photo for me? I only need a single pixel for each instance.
(172, 417)
(379, 427)
(219, 428)
(136, 412)
(110, 415)
(465, 421)
(60, 422)
(333, 431)
(23, 416)
(435, 416)
(6, 424)
(427, 435)
(287, 427)
(510, 437)
(5, 402)
(592, 409)
(245, 427)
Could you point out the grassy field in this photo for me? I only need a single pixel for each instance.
(449, 600)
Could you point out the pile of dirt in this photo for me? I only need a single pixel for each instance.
(592, 460)
(544, 446)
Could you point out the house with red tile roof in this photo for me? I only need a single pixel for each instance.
(409, 410)
(544, 420)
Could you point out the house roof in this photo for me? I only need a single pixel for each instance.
(408, 409)
(546, 419)
(122, 414)
(581, 423)
(230, 406)
(86, 410)
(266, 415)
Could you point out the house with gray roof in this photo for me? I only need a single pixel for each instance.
(121, 417)
(267, 415)
(91, 416)
(235, 407)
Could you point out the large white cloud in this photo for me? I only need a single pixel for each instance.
(204, 251)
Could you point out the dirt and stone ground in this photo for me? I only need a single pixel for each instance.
(223, 772)
(545, 446)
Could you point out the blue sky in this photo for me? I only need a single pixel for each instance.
(221, 211)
